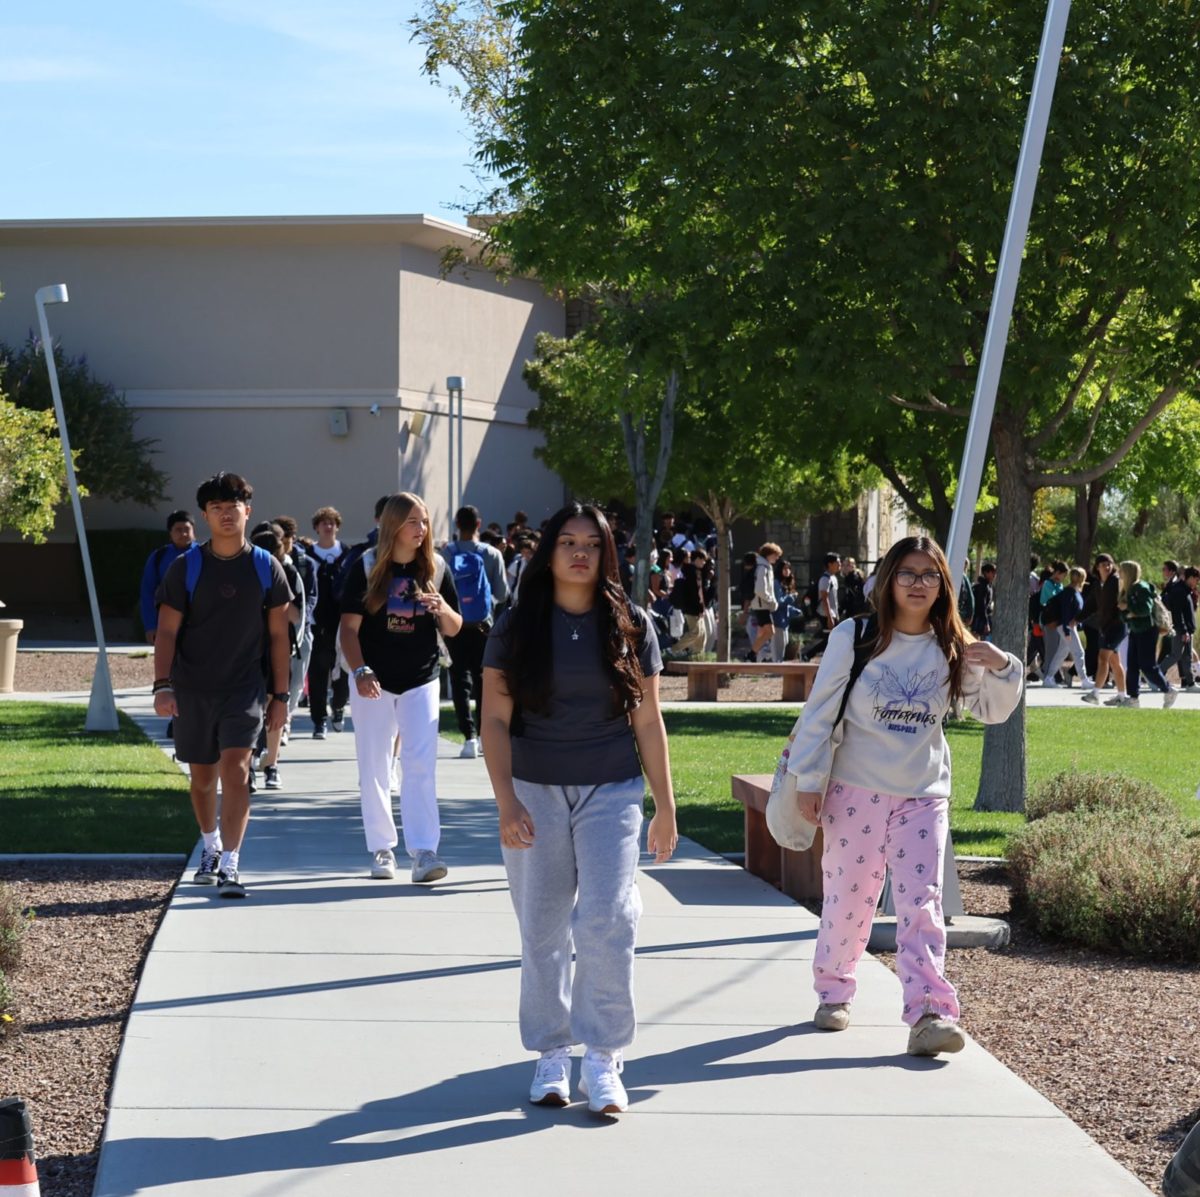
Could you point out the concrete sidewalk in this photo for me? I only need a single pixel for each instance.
(337, 1035)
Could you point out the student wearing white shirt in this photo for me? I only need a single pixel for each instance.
(878, 780)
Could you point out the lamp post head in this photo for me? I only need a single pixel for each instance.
(454, 383)
(55, 293)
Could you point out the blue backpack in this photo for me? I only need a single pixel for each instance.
(471, 582)
(194, 559)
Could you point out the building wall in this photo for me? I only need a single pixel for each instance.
(235, 343)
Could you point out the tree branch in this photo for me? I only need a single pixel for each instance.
(901, 488)
(934, 406)
(1164, 398)
(1090, 431)
(1050, 431)
(666, 434)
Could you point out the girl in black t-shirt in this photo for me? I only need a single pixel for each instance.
(570, 703)
(395, 601)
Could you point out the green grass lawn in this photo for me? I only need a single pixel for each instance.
(66, 790)
(708, 746)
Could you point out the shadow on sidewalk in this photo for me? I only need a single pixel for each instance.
(481, 1107)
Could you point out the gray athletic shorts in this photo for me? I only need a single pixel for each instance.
(208, 724)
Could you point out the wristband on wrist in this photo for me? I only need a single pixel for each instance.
(163, 684)
(363, 671)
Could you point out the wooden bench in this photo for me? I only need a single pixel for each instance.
(797, 874)
(702, 676)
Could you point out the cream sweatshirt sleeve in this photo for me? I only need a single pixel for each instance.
(811, 754)
(991, 696)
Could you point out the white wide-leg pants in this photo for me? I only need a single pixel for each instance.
(414, 714)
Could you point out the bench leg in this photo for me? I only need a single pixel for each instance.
(801, 877)
(795, 687)
(702, 687)
(762, 852)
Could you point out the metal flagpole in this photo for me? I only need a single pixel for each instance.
(102, 707)
(1012, 250)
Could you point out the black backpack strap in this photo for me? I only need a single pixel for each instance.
(865, 631)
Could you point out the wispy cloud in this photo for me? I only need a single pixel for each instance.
(32, 68)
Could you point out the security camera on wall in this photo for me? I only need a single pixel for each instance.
(375, 409)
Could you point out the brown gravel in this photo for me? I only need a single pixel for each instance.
(1115, 1044)
(73, 671)
(82, 958)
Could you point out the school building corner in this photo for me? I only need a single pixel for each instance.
(309, 353)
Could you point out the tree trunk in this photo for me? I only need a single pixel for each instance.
(722, 513)
(1002, 778)
(646, 486)
(1087, 518)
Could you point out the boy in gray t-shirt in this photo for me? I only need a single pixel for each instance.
(222, 631)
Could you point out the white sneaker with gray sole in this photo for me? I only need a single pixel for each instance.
(428, 867)
(383, 867)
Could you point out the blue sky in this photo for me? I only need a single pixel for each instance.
(223, 108)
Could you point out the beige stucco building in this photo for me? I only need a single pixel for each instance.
(261, 345)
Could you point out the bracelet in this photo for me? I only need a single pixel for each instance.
(362, 671)
(162, 687)
(162, 681)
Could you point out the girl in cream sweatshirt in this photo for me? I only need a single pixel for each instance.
(878, 781)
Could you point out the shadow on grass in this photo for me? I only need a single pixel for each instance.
(774, 725)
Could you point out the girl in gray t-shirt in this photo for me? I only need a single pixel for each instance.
(570, 720)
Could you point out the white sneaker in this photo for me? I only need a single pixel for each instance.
(427, 866)
(1126, 701)
(600, 1082)
(383, 867)
(1090, 696)
(1117, 700)
(552, 1078)
(1169, 698)
(469, 751)
(394, 777)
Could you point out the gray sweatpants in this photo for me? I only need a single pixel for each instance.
(578, 882)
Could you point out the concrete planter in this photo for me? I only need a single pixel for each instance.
(10, 629)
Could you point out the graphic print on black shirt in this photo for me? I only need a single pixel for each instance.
(402, 606)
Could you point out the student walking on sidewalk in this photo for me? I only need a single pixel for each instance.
(396, 599)
(877, 777)
(1136, 604)
(570, 685)
(223, 617)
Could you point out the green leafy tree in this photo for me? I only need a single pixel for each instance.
(33, 473)
(882, 139)
(112, 461)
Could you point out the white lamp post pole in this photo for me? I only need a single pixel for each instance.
(1012, 250)
(454, 387)
(102, 707)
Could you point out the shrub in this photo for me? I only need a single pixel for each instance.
(14, 921)
(1111, 880)
(1069, 791)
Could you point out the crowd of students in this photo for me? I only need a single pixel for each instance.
(1112, 626)
(566, 714)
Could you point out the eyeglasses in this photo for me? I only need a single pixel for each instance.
(931, 579)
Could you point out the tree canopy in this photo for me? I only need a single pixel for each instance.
(111, 460)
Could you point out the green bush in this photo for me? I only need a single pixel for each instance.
(1111, 880)
(14, 922)
(118, 558)
(1070, 791)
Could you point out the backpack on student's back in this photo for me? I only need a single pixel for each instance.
(471, 582)
(194, 559)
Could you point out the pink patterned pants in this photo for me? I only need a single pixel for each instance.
(865, 831)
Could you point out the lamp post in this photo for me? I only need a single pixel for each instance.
(1012, 249)
(454, 387)
(102, 707)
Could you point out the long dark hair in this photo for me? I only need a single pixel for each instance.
(952, 635)
(529, 676)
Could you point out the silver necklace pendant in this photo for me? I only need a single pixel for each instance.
(575, 635)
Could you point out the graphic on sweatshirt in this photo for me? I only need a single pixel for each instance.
(401, 605)
(904, 704)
